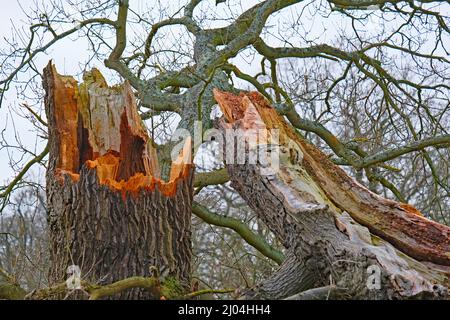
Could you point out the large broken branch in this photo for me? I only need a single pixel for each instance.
(323, 217)
(399, 223)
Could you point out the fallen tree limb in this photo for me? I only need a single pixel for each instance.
(95, 292)
(164, 290)
(332, 227)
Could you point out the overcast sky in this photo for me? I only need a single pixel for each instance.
(66, 56)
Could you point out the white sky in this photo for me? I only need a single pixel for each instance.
(65, 54)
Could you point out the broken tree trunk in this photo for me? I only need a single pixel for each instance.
(342, 240)
(109, 213)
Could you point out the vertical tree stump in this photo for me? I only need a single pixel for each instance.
(108, 210)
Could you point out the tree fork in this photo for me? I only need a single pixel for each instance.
(109, 212)
(333, 228)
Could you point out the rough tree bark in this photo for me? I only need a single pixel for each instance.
(108, 210)
(337, 234)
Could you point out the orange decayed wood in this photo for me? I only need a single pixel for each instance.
(99, 127)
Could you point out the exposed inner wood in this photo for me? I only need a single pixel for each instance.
(99, 126)
(323, 183)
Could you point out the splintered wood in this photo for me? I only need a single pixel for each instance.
(98, 126)
(400, 224)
